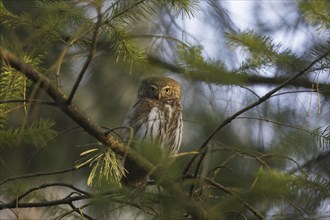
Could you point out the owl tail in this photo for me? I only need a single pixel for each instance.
(135, 177)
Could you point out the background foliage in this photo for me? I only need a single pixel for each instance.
(271, 161)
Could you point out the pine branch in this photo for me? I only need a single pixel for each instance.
(194, 208)
(230, 192)
(250, 79)
(247, 108)
(309, 163)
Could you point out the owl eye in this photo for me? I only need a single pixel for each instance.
(167, 90)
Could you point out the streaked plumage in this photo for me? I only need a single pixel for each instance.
(156, 116)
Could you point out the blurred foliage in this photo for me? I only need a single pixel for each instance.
(273, 159)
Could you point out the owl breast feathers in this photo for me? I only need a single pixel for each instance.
(157, 115)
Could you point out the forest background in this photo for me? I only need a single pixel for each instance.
(255, 92)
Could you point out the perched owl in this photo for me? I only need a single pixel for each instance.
(156, 116)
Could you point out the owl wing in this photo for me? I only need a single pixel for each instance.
(155, 122)
(145, 119)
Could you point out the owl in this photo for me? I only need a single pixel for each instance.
(156, 117)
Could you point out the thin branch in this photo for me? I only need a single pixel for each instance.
(90, 57)
(146, 209)
(288, 158)
(59, 134)
(309, 163)
(247, 108)
(15, 203)
(230, 192)
(123, 12)
(283, 124)
(68, 45)
(63, 201)
(250, 90)
(27, 101)
(276, 122)
(81, 213)
(251, 79)
(38, 175)
(299, 91)
(162, 36)
(69, 200)
(71, 211)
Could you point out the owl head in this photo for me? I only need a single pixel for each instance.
(159, 88)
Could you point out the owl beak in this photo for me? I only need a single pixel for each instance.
(159, 96)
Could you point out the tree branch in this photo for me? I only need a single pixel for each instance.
(15, 203)
(194, 208)
(78, 210)
(91, 55)
(230, 192)
(39, 174)
(247, 108)
(68, 200)
(308, 164)
(251, 79)
(27, 101)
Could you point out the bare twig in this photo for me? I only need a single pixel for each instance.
(15, 203)
(276, 122)
(90, 57)
(68, 200)
(284, 124)
(38, 175)
(295, 92)
(230, 192)
(69, 43)
(71, 211)
(80, 212)
(251, 91)
(24, 101)
(63, 201)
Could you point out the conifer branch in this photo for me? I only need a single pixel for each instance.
(262, 99)
(230, 192)
(309, 163)
(250, 79)
(245, 109)
(124, 11)
(192, 207)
